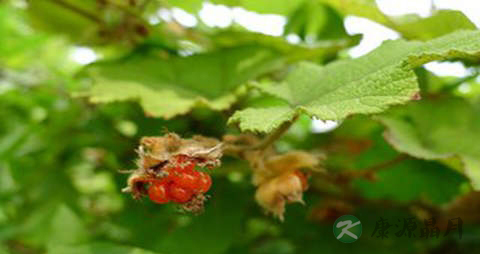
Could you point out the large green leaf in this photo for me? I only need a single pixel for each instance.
(366, 85)
(316, 21)
(437, 129)
(320, 50)
(168, 86)
(283, 7)
(362, 8)
(407, 180)
(411, 26)
(440, 23)
(73, 18)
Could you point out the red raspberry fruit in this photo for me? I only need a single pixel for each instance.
(204, 182)
(178, 194)
(158, 193)
(185, 178)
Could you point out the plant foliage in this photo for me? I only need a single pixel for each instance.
(83, 82)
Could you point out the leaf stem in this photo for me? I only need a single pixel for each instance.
(270, 139)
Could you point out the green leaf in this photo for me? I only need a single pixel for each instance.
(440, 23)
(315, 21)
(54, 225)
(282, 7)
(97, 248)
(188, 5)
(411, 26)
(75, 19)
(166, 87)
(3, 249)
(262, 119)
(320, 50)
(366, 85)
(437, 129)
(66, 227)
(362, 8)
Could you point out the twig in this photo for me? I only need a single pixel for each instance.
(387, 164)
(358, 200)
(370, 173)
(78, 10)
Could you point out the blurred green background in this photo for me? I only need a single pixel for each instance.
(60, 155)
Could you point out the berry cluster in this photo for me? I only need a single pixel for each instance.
(167, 170)
(180, 183)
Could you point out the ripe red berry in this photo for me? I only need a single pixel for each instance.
(158, 193)
(180, 183)
(185, 178)
(178, 194)
(205, 182)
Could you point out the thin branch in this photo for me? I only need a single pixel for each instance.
(387, 164)
(270, 139)
(358, 200)
(370, 172)
(78, 10)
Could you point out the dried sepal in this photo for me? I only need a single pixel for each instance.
(154, 151)
(136, 185)
(275, 193)
(283, 163)
(195, 205)
(277, 176)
